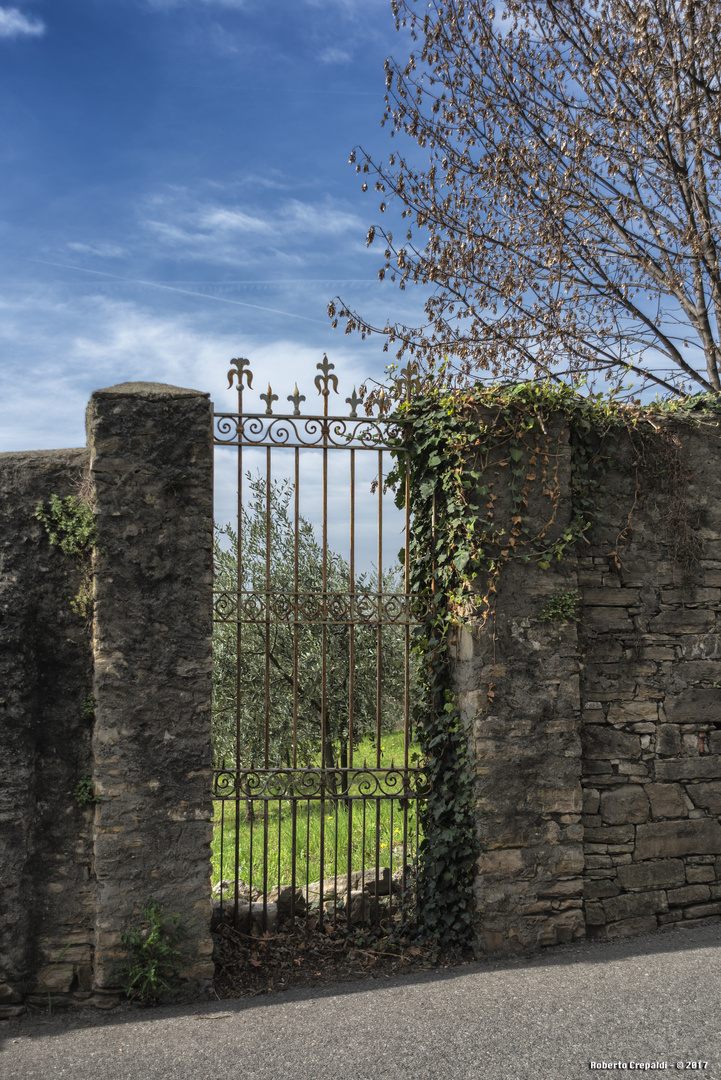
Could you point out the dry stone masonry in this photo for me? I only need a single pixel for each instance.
(599, 748)
(650, 642)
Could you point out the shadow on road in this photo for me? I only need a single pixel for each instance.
(661, 942)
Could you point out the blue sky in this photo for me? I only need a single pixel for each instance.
(176, 191)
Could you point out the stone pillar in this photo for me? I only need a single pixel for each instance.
(151, 461)
(516, 677)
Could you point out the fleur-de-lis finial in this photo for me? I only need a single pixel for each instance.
(269, 398)
(383, 403)
(240, 364)
(321, 381)
(354, 401)
(296, 397)
(408, 382)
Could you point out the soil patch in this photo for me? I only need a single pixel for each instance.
(308, 956)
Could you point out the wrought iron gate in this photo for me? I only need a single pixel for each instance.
(312, 669)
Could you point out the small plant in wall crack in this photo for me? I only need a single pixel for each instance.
(70, 525)
(84, 792)
(154, 959)
(561, 607)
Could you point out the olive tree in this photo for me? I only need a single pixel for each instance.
(290, 665)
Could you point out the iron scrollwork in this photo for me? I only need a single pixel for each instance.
(366, 782)
(386, 609)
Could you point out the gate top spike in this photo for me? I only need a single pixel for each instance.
(354, 401)
(268, 398)
(408, 381)
(296, 397)
(321, 381)
(241, 364)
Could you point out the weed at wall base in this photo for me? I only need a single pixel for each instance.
(154, 959)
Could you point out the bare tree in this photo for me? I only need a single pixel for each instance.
(569, 205)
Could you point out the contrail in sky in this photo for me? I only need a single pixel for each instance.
(174, 288)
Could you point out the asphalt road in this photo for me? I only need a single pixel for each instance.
(647, 1000)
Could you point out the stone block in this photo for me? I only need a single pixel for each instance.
(662, 874)
(690, 894)
(611, 834)
(597, 771)
(568, 926)
(506, 861)
(595, 915)
(597, 862)
(605, 619)
(604, 744)
(670, 917)
(561, 890)
(702, 911)
(566, 859)
(683, 621)
(627, 712)
(556, 800)
(694, 705)
(667, 800)
(634, 770)
(599, 890)
(591, 597)
(9, 995)
(11, 1012)
(633, 905)
(700, 873)
(625, 805)
(647, 571)
(707, 796)
(691, 595)
(56, 978)
(625, 928)
(701, 767)
(674, 838)
(668, 740)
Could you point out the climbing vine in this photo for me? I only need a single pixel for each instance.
(70, 525)
(471, 463)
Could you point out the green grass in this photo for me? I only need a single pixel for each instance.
(374, 827)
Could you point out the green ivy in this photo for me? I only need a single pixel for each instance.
(446, 441)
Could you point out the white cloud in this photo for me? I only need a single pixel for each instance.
(105, 251)
(232, 234)
(237, 4)
(14, 24)
(334, 55)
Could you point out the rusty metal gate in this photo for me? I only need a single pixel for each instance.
(316, 779)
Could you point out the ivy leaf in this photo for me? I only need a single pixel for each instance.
(461, 561)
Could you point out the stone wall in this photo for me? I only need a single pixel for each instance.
(650, 642)
(618, 714)
(123, 698)
(598, 741)
(47, 891)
